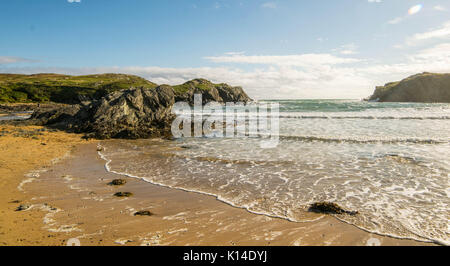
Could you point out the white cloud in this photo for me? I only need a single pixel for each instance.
(300, 60)
(347, 49)
(234, 53)
(12, 59)
(260, 83)
(74, 1)
(277, 79)
(440, 8)
(396, 20)
(269, 5)
(288, 76)
(437, 54)
(434, 59)
(440, 33)
(374, 1)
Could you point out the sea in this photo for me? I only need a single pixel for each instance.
(388, 161)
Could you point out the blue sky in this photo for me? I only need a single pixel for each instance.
(274, 49)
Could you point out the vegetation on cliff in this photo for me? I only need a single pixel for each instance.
(210, 92)
(57, 88)
(40, 88)
(424, 87)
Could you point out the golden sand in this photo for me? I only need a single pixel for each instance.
(23, 149)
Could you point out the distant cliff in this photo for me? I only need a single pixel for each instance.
(425, 87)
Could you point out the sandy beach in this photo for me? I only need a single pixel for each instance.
(61, 183)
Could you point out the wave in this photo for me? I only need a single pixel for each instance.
(366, 117)
(363, 141)
(323, 116)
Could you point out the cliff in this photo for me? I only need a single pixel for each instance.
(425, 87)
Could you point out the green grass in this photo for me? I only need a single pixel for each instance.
(201, 84)
(39, 88)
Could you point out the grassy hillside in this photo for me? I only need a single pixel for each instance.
(424, 87)
(63, 88)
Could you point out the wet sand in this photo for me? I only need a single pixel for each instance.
(72, 199)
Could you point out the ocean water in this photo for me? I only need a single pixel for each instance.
(388, 161)
(15, 116)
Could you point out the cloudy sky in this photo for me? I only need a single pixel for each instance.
(274, 49)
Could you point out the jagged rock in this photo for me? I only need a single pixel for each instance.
(329, 208)
(123, 194)
(133, 113)
(143, 213)
(425, 87)
(117, 182)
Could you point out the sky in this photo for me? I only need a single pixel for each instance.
(285, 49)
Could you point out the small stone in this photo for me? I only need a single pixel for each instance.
(123, 194)
(143, 213)
(117, 182)
(22, 207)
(329, 208)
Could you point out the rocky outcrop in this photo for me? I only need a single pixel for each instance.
(133, 113)
(221, 93)
(425, 87)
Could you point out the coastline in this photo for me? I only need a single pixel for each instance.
(71, 199)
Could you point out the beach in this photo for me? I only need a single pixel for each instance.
(61, 181)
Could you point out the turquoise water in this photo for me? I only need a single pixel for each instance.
(389, 161)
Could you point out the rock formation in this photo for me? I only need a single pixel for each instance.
(210, 92)
(133, 113)
(425, 87)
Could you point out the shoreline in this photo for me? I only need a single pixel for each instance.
(71, 199)
(219, 199)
